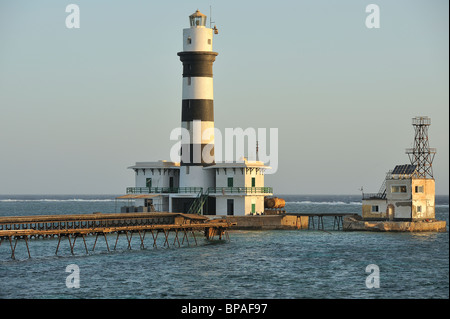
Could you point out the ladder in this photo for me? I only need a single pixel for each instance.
(382, 191)
(197, 205)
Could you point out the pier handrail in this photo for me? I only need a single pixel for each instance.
(90, 221)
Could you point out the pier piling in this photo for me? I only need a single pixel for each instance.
(338, 221)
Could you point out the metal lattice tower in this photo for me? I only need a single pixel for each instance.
(421, 154)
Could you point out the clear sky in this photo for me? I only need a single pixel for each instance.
(78, 106)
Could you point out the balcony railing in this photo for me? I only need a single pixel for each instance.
(160, 190)
(212, 190)
(374, 196)
(240, 190)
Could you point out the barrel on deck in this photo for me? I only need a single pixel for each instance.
(274, 202)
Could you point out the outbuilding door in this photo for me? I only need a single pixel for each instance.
(390, 212)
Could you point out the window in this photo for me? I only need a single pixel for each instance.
(189, 80)
(209, 41)
(418, 189)
(189, 40)
(398, 189)
(375, 209)
(253, 181)
(148, 182)
(419, 209)
(230, 181)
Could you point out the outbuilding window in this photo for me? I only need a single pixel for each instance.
(375, 208)
(418, 189)
(398, 189)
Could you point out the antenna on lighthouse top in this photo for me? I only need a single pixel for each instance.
(257, 151)
(216, 31)
(210, 17)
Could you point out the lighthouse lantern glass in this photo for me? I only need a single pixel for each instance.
(198, 21)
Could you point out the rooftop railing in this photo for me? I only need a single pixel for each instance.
(374, 196)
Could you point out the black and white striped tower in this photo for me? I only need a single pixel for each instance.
(197, 115)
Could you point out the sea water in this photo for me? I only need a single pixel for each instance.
(253, 264)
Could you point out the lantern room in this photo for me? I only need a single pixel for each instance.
(197, 19)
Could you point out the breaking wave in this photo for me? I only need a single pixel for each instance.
(307, 202)
(56, 200)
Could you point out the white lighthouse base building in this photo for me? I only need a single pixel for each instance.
(238, 189)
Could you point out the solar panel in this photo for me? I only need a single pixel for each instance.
(406, 169)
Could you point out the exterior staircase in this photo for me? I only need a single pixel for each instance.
(197, 205)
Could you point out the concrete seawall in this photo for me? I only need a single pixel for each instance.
(267, 222)
(354, 224)
(350, 223)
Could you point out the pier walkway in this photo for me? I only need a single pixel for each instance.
(13, 229)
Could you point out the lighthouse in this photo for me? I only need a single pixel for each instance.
(198, 184)
(197, 108)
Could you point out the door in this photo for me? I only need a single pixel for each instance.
(253, 181)
(390, 212)
(230, 206)
(186, 206)
(253, 209)
(170, 182)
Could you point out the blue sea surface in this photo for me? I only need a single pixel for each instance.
(253, 264)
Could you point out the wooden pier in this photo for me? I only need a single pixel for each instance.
(13, 229)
